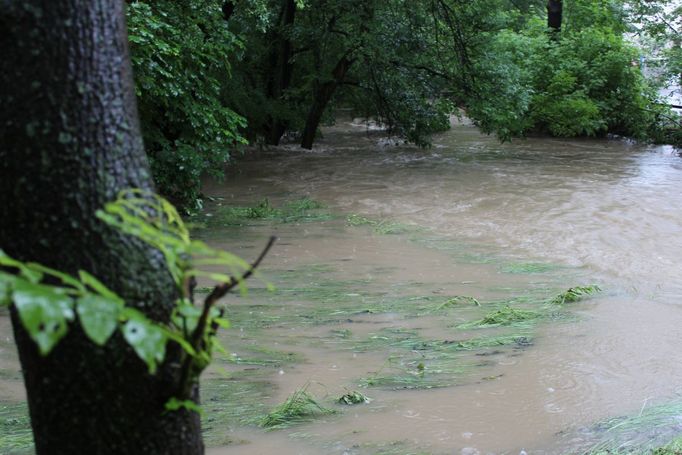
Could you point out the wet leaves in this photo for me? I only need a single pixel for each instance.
(148, 341)
(44, 312)
(99, 316)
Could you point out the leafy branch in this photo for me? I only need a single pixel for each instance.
(201, 339)
(49, 301)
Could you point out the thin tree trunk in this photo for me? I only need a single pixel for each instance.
(281, 70)
(323, 94)
(69, 141)
(554, 14)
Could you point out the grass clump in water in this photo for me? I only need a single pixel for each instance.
(384, 227)
(299, 407)
(417, 375)
(231, 401)
(302, 205)
(298, 210)
(674, 447)
(655, 430)
(575, 294)
(528, 267)
(473, 344)
(503, 317)
(354, 397)
(262, 210)
(456, 301)
(418, 371)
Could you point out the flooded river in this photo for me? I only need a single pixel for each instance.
(370, 271)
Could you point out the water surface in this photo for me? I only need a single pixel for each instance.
(606, 212)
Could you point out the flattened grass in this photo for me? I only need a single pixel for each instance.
(575, 294)
(265, 356)
(299, 407)
(528, 267)
(229, 402)
(16, 436)
(654, 430)
(382, 226)
(503, 317)
(303, 210)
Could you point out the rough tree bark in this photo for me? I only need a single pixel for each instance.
(281, 69)
(69, 141)
(323, 94)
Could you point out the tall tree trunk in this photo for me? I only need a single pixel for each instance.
(323, 94)
(554, 13)
(69, 141)
(281, 69)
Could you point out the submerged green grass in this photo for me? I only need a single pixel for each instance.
(313, 295)
(16, 436)
(232, 401)
(382, 226)
(503, 317)
(418, 371)
(453, 302)
(528, 267)
(654, 430)
(419, 363)
(293, 211)
(265, 356)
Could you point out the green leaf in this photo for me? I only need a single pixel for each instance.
(184, 344)
(6, 283)
(174, 404)
(65, 278)
(217, 346)
(44, 312)
(186, 315)
(221, 322)
(97, 286)
(31, 275)
(7, 261)
(98, 316)
(148, 341)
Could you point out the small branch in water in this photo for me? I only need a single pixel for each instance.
(220, 290)
(198, 335)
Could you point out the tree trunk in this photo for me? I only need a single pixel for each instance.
(554, 13)
(69, 141)
(323, 94)
(281, 70)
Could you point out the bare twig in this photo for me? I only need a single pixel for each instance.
(197, 336)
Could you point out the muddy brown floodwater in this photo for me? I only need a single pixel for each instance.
(362, 285)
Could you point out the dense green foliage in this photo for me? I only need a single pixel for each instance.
(210, 71)
(658, 27)
(581, 81)
(180, 54)
(389, 61)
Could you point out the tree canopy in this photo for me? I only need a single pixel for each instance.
(213, 75)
